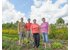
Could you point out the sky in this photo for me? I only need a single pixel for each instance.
(13, 10)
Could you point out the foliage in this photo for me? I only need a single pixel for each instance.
(10, 42)
(56, 33)
(9, 26)
(9, 31)
(57, 45)
(5, 45)
(60, 20)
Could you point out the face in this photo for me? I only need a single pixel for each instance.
(21, 19)
(28, 20)
(34, 20)
(43, 19)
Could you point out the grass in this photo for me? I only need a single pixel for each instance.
(10, 42)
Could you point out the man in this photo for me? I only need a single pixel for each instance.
(28, 25)
(21, 31)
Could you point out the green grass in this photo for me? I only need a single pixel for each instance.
(9, 42)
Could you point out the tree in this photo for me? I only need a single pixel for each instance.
(60, 21)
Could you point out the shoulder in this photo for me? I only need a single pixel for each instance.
(19, 22)
(46, 22)
(37, 24)
(23, 23)
(26, 23)
(41, 23)
(30, 23)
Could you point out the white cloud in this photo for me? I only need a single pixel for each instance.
(10, 14)
(65, 19)
(37, 3)
(49, 10)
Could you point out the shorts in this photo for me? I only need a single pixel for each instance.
(45, 37)
(21, 35)
(36, 39)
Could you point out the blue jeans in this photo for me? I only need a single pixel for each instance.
(45, 37)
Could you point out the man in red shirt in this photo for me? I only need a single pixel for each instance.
(28, 25)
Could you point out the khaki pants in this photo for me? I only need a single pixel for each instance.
(29, 35)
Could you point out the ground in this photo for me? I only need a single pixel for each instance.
(10, 42)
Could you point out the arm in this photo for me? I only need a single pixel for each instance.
(24, 27)
(18, 28)
(48, 28)
(31, 30)
(40, 29)
(31, 33)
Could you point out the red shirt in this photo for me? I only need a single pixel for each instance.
(28, 25)
(35, 28)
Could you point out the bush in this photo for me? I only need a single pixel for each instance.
(61, 34)
(56, 45)
(9, 31)
(5, 44)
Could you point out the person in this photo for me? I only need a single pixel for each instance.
(21, 31)
(28, 25)
(44, 31)
(35, 28)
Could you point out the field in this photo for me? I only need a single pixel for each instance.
(58, 38)
(10, 42)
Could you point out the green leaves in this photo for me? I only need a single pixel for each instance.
(60, 21)
(55, 33)
(57, 45)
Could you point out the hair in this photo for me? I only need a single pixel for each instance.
(28, 18)
(21, 18)
(43, 18)
(34, 19)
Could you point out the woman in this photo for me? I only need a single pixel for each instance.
(44, 31)
(35, 32)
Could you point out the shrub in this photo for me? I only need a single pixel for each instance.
(9, 31)
(61, 34)
(5, 44)
(57, 45)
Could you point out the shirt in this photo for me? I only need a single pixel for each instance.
(44, 27)
(28, 25)
(21, 27)
(35, 28)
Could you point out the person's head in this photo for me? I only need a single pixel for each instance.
(34, 21)
(43, 19)
(29, 20)
(21, 19)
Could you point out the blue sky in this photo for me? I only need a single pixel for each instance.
(24, 6)
(53, 1)
(15, 9)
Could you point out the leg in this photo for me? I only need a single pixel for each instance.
(19, 38)
(38, 40)
(44, 39)
(22, 35)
